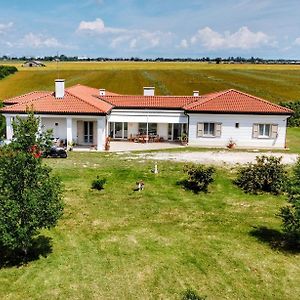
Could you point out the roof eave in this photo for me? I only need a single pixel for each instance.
(237, 113)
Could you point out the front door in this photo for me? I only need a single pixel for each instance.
(88, 132)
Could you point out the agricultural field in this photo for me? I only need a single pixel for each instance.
(121, 244)
(272, 82)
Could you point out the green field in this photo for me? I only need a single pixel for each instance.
(121, 244)
(272, 82)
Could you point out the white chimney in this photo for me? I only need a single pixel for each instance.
(102, 92)
(196, 93)
(149, 91)
(59, 88)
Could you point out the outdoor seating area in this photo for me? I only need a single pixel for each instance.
(145, 138)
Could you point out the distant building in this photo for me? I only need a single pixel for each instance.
(33, 63)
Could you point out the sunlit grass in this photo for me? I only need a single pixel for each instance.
(121, 244)
(272, 82)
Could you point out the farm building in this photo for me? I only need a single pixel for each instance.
(33, 63)
(88, 116)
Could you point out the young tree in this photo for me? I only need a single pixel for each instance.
(291, 214)
(30, 196)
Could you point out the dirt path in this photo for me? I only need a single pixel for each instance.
(214, 157)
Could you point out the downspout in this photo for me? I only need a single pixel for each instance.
(188, 126)
(286, 127)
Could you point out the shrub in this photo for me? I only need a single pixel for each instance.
(268, 174)
(294, 120)
(98, 184)
(290, 214)
(199, 177)
(191, 295)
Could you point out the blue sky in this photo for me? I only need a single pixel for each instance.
(125, 28)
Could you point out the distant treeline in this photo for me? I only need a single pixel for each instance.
(7, 70)
(294, 120)
(216, 60)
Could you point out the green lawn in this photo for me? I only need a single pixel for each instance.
(293, 139)
(272, 82)
(121, 244)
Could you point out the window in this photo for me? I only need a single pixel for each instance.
(209, 129)
(118, 130)
(265, 131)
(152, 128)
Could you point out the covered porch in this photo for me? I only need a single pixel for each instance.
(147, 126)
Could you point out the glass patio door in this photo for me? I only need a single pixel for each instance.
(118, 130)
(88, 132)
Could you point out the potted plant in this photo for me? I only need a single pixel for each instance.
(107, 144)
(231, 144)
(71, 144)
(184, 139)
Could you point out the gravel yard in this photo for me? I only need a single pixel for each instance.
(214, 157)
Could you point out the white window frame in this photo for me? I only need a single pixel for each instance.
(209, 129)
(264, 135)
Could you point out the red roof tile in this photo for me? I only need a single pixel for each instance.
(133, 101)
(26, 97)
(70, 104)
(233, 101)
(81, 99)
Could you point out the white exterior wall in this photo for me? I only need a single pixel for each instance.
(242, 136)
(162, 130)
(59, 131)
(70, 129)
(133, 129)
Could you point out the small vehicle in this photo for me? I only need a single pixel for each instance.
(56, 152)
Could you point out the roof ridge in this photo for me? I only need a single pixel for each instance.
(83, 100)
(190, 105)
(23, 95)
(30, 101)
(222, 93)
(260, 99)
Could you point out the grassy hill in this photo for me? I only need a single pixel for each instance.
(272, 82)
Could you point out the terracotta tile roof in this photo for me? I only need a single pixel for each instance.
(70, 104)
(133, 101)
(78, 99)
(232, 101)
(25, 98)
(81, 99)
(89, 95)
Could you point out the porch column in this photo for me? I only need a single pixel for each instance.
(101, 136)
(69, 132)
(40, 128)
(9, 128)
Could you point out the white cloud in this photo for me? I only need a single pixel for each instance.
(297, 41)
(97, 27)
(121, 37)
(5, 27)
(38, 41)
(183, 44)
(241, 39)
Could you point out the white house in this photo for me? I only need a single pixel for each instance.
(88, 116)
